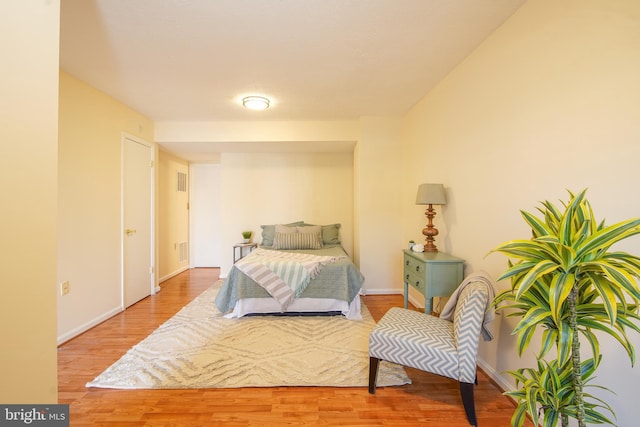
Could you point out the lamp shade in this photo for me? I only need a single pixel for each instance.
(431, 194)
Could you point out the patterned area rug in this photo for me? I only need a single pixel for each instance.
(199, 348)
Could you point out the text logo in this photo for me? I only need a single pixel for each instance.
(34, 415)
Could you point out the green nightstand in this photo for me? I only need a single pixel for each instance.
(433, 274)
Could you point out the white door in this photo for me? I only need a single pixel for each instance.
(204, 215)
(137, 223)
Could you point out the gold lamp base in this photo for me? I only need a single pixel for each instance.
(430, 231)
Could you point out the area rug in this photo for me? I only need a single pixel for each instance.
(199, 348)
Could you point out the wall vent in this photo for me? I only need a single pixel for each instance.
(181, 182)
(183, 252)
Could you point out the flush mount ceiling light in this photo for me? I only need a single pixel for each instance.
(255, 102)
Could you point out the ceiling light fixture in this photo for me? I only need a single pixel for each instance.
(255, 102)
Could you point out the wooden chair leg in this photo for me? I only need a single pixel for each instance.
(373, 373)
(466, 392)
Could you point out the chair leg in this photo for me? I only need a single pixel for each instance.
(466, 392)
(373, 373)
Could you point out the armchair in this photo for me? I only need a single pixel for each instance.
(434, 344)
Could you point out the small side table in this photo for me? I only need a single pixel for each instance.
(433, 274)
(237, 256)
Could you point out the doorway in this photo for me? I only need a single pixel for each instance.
(204, 215)
(137, 220)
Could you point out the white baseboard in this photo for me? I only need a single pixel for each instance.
(500, 381)
(86, 326)
(365, 291)
(175, 273)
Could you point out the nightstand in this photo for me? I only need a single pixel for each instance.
(241, 247)
(433, 274)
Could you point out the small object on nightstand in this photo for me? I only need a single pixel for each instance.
(241, 247)
(433, 274)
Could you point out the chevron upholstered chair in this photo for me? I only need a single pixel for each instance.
(443, 347)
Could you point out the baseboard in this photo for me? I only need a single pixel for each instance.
(365, 291)
(175, 273)
(86, 326)
(495, 376)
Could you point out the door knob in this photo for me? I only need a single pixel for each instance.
(129, 231)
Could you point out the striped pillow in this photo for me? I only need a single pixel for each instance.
(297, 241)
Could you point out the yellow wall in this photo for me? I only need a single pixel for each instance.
(29, 33)
(91, 125)
(359, 188)
(551, 101)
(378, 200)
(173, 215)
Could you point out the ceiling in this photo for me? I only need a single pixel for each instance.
(192, 60)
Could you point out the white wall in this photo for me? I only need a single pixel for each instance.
(205, 226)
(551, 101)
(29, 39)
(274, 188)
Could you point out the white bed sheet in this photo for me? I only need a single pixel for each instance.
(299, 305)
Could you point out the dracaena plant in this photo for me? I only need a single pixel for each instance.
(568, 282)
(547, 391)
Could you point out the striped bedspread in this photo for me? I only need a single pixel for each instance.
(284, 275)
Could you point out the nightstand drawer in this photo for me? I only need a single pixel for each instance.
(412, 265)
(417, 282)
(432, 274)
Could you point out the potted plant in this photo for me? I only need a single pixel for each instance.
(568, 282)
(246, 236)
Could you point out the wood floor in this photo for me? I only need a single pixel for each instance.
(429, 400)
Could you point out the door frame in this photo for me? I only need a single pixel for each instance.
(154, 288)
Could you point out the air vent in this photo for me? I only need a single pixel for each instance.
(183, 252)
(181, 182)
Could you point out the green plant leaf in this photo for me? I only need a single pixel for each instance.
(522, 249)
(617, 277)
(517, 269)
(566, 281)
(606, 237)
(565, 342)
(519, 415)
(603, 287)
(566, 229)
(624, 260)
(538, 227)
(617, 333)
(540, 269)
(561, 286)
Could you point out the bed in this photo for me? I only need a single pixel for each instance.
(333, 285)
